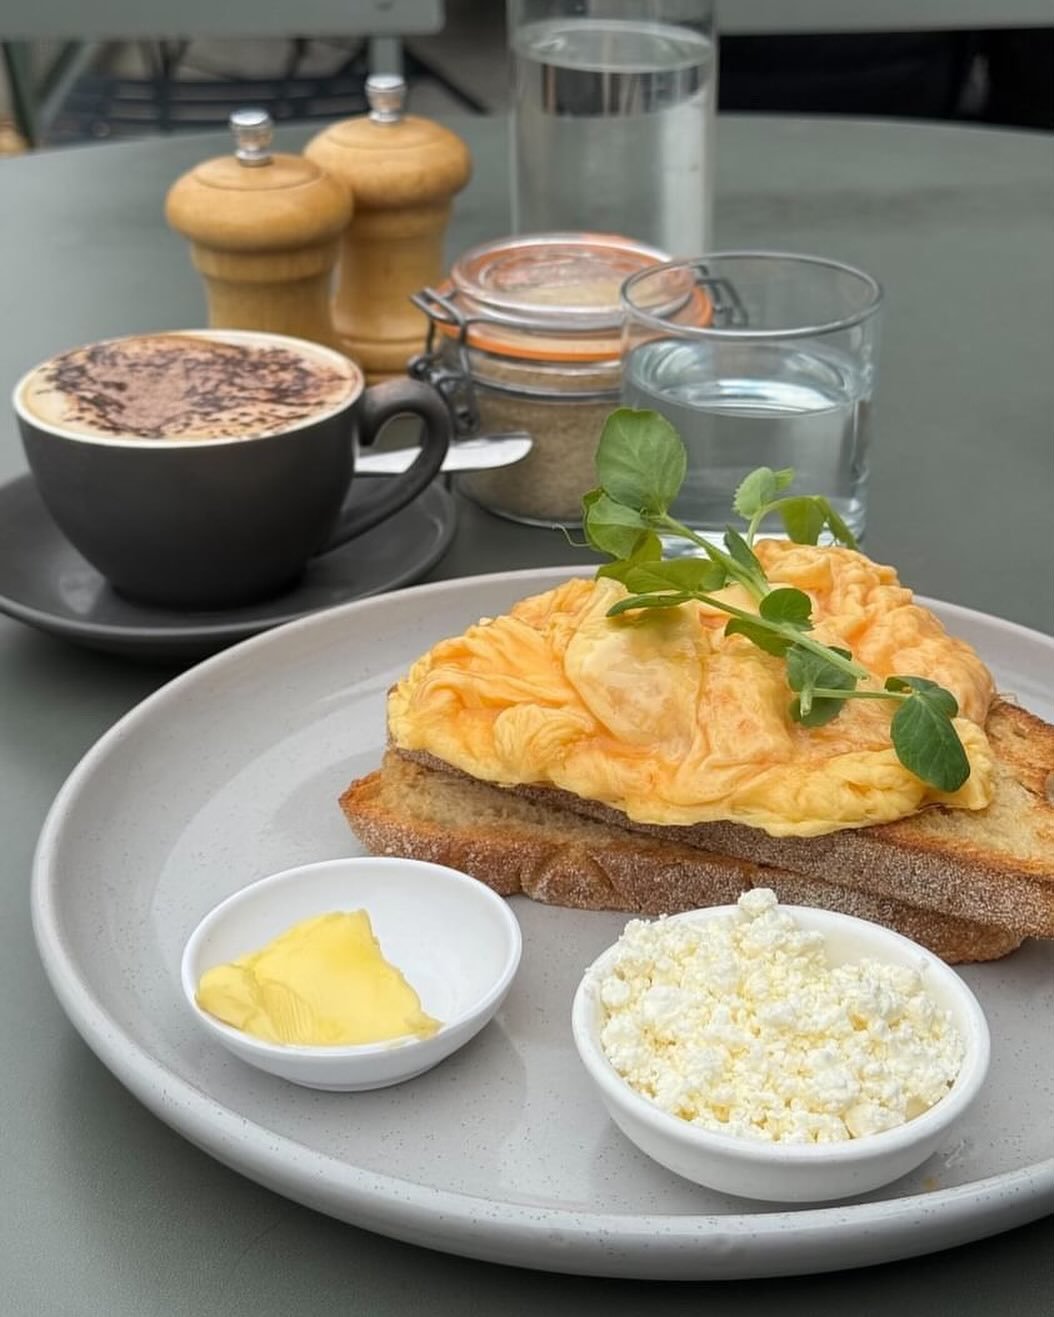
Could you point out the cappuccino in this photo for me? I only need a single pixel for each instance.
(187, 386)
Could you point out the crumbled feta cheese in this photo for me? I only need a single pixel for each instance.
(741, 1025)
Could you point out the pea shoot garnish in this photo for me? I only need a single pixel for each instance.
(641, 465)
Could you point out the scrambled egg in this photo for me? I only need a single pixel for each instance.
(658, 714)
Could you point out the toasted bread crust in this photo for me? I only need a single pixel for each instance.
(516, 844)
(993, 866)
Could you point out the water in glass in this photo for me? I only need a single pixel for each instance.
(738, 406)
(612, 129)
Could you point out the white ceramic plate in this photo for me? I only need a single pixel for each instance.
(504, 1151)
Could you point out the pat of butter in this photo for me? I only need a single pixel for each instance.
(322, 983)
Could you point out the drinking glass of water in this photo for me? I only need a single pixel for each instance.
(758, 359)
(612, 118)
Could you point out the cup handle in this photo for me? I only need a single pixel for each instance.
(379, 404)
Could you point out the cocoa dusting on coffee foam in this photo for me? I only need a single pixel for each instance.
(178, 386)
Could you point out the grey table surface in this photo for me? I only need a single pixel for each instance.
(105, 1210)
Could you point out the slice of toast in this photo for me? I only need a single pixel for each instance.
(517, 844)
(993, 866)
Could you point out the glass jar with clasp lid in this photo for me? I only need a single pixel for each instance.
(525, 336)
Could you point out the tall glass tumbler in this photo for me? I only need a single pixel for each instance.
(778, 372)
(612, 118)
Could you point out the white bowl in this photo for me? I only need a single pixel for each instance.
(785, 1172)
(457, 943)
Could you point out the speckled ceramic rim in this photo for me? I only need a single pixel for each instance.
(674, 1246)
(964, 1090)
(438, 873)
(356, 379)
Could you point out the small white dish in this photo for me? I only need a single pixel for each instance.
(456, 942)
(785, 1172)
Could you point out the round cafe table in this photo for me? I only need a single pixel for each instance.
(106, 1210)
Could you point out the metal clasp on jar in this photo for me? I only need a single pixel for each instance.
(727, 309)
(453, 384)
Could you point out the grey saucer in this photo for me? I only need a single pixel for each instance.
(45, 582)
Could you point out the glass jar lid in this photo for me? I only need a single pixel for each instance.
(560, 283)
(545, 300)
(547, 296)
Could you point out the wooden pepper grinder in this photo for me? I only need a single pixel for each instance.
(265, 234)
(402, 172)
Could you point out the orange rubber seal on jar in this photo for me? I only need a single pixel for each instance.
(487, 336)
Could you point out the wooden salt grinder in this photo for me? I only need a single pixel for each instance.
(402, 172)
(264, 230)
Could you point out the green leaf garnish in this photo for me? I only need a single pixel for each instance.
(691, 574)
(941, 698)
(641, 461)
(806, 516)
(673, 600)
(751, 572)
(807, 671)
(612, 527)
(772, 642)
(788, 605)
(760, 488)
(926, 741)
(821, 709)
(641, 465)
(803, 519)
(648, 549)
(841, 532)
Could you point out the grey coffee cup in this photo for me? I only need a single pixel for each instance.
(214, 523)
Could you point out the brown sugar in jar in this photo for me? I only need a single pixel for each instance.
(533, 325)
(564, 415)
